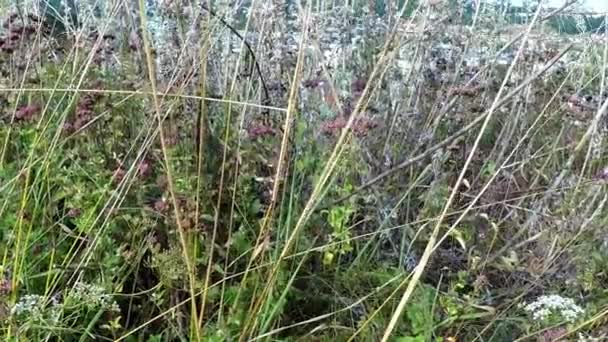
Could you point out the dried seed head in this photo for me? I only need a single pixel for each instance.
(119, 175)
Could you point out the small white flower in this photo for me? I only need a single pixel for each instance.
(545, 306)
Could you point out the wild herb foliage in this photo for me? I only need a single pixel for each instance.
(408, 171)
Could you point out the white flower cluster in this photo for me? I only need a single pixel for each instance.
(35, 308)
(91, 295)
(545, 306)
(40, 309)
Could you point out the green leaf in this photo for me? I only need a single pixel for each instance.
(419, 311)
(417, 338)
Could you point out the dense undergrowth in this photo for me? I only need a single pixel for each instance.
(286, 173)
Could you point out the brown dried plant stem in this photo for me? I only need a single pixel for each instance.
(159, 119)
(428, 251)
(291, 107)
(447, 141)
(330, 166)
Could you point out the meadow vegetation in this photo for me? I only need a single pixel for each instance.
(285, 171)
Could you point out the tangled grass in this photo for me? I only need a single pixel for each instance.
(270, 171)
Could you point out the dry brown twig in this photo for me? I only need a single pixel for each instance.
(456, 135)
(475, 122)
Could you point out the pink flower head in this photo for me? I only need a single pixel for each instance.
(312, 83)
(68, 128)
(258, 131)
(74, 212)
(160, 205)
(358, 86)
(333, 126)
(144, 169)
(603, 174)
(14, 36)
(27, 113)
(7, 47)
(360, 126)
